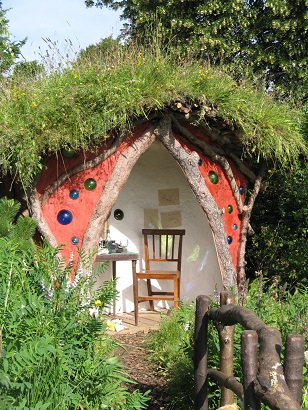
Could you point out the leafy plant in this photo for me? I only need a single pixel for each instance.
(280, 219)
(54, 350)
(26, 71)
(9, 50)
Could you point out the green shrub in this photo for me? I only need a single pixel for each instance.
(54, 352)
(172, 346)
(280, 220)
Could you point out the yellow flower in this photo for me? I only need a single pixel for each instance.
(98, 303)
(111, 325)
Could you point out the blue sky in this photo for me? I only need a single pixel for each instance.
(58, 20)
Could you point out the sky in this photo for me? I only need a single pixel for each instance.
(61, 21)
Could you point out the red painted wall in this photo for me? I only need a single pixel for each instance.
(82, 207)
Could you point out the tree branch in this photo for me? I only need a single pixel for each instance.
(189, 164)
(217, 137)
(37, 215)
(229, 382)
(229, 315)
(245, 226)
(220, 158)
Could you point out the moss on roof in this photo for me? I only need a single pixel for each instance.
(78, 106)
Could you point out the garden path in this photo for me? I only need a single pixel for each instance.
(135, 358)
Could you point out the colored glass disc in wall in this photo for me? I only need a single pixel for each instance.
(213, 177)
(200, 162)
(74, 194)
(118, 214)
(64, 217)
(229, 209)
(74, 240)
(234, 226)
(90, 184)
(229, 239)
(241, 190)
(68, 153)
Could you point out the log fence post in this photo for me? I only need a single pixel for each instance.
(265, 379)
(226, 342)
(249, 356)
(200, 352)
(293, 364)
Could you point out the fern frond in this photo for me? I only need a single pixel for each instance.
(8, 211)
(23, 230)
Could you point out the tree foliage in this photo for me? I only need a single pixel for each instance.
(28, 70)
(99, 51)
(266, 37)
(9, 50)
(279, 246)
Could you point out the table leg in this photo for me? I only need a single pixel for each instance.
(114, 275)
(135, 291)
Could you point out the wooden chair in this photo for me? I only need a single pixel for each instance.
(163, 246)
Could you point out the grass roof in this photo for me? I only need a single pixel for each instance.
(78, 106)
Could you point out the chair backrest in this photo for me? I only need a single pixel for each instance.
(163, 245)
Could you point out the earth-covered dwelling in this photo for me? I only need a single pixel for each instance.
(154, 176)
(170, 159)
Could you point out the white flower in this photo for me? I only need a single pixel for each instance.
(94, 312)
(186, 327)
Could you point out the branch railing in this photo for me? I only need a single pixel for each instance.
(264, 378)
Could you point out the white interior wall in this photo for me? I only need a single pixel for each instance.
(156, 169)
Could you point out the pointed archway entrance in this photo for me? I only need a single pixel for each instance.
(77, 192)
(157, 194)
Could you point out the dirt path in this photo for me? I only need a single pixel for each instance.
(135, 358)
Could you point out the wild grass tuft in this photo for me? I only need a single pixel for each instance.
(77, 105)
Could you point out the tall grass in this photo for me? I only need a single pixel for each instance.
(80, 103)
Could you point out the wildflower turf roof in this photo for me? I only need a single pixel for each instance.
(77, 107)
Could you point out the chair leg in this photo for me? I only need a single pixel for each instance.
(150, 294)
(176, 296)
(136, 303)
(135, 291)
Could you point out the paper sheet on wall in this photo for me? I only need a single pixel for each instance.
(171, 219)
(150, 218)
(168, 197)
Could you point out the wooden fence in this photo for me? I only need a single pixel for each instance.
(264, 378)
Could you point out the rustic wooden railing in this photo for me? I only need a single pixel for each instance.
(264, 378)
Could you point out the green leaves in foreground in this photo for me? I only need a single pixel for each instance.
(54, 352)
